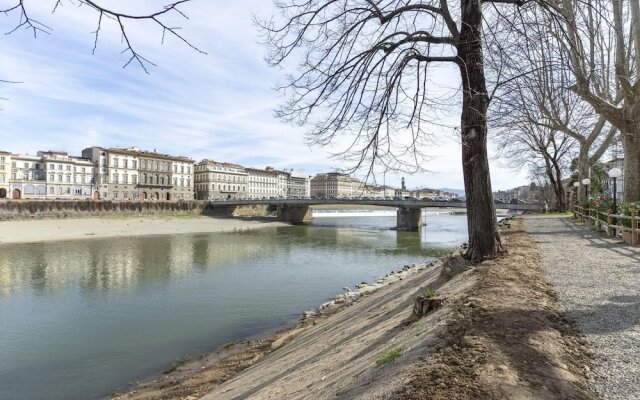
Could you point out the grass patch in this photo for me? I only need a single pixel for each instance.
(177, 364)
(389, 356)
(430, 293)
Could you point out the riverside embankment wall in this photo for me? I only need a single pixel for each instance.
(52, 209)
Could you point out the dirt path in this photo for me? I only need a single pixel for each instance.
(509, 338)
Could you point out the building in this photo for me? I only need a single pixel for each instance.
(335, 184)
(66, 177)
(267, 182)
(182, 178)
(298, 186)
(134, 174)
(116, 173)
(216, 180)
(27, 179)
(5, 174)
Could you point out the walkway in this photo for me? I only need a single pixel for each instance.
(598, 282)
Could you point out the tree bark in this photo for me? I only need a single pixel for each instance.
(631, 143)
(484, 240)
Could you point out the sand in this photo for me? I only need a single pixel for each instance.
(85, 228)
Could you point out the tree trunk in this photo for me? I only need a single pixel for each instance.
(484, 240)
(562, 203)
(631, 144)
(583, 171)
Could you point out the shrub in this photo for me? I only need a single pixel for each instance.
(626, 209)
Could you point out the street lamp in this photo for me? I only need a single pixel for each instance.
(615, 173)
(586, 182)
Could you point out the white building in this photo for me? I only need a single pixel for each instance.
(216, 180)
(116, 174)
(183, 178)
(267, 183)
(5, 174)
(298, 186)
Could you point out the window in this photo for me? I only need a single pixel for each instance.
(134, 179)
(182, 169)
(2, 167)
(82, 170)
(59, 177)
(125, 163)
(125, 178)
(115, 178)
(134, 164)
(175, 181)
(68, 178)
(13, 164)
(2, 178)
(68, 167)
(115, 162)
(60, 167)
(125, 195)
(51, 190)
(115, 195)
(26, 165)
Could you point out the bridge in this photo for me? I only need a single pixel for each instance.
(409, 215)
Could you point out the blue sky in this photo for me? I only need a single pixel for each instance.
(219, 105)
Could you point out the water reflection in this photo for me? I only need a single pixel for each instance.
(87, 317)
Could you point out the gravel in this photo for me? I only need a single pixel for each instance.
(598, 283)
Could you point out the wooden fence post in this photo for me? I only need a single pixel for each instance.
(634, 227)
(609, 223)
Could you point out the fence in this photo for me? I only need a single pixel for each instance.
(605, 221)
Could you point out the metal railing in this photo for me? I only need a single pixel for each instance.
(608, 222)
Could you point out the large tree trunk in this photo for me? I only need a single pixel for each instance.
(560, 195)
(484, 240)
(631, 144)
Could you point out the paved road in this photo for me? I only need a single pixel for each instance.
(598, 282)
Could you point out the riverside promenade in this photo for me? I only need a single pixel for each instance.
(598, 283)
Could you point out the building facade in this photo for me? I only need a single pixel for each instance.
(298, 186)
(27, 179)
(182, 177)
(66, 177)
(115, 173)
(5, 175)
(266, 183)
(335, 184)
(216, 180)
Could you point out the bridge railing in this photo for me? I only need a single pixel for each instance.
(610, 223)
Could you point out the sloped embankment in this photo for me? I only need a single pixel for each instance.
(500, 334)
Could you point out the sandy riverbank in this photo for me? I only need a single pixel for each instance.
(86, 228)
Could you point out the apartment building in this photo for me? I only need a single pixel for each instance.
(66, 177)
(335, 184)
(5, 174)
(216, 180)
(298, 186)
(116, 173)
(134, 174)
(267, 182)
(182, 177)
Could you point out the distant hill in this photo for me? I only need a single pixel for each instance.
(459, 192)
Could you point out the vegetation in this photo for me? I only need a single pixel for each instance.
(390, 356)
(627, 209)
(430, 293)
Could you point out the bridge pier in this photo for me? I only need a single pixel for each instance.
(297, 214)
(409, 219)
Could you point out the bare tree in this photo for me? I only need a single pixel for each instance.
(541, 96)
(104, 14)
(546, 153)
(601, 48)
(364, 73)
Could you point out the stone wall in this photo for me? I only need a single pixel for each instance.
(51, 209)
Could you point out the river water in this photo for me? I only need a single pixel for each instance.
(80, 320)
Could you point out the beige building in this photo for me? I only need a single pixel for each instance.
(133, 174)
(335, 184)
(5, 174)
(266, 183)
(216, 180)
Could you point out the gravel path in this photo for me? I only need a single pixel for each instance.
(598, 282)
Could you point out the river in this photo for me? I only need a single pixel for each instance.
(80, 320)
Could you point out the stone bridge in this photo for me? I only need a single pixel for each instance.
(409, 215)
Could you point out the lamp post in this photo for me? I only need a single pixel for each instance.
(586, 182)
(615, 173)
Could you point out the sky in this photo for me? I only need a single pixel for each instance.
(219, 105)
